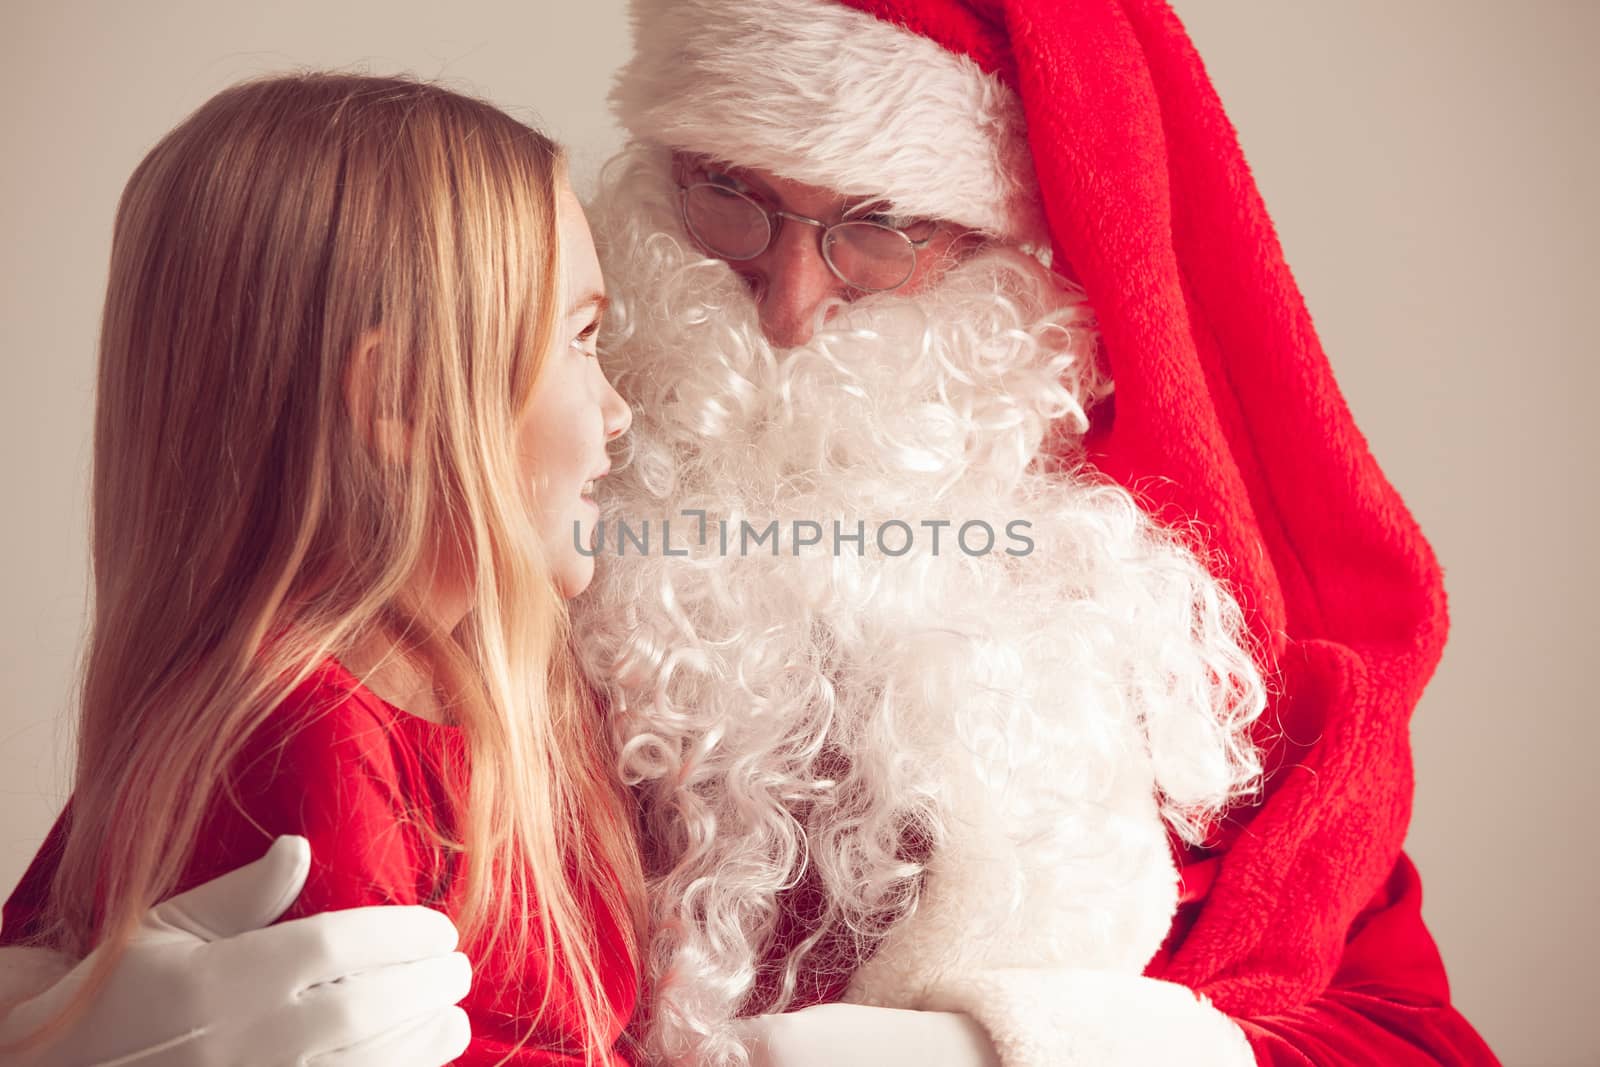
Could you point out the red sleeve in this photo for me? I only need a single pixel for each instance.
(322, 767)
(1389, 1002)
(23, 921)
(329, 772)
(362, 783)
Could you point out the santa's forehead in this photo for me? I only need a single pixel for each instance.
(793, 191)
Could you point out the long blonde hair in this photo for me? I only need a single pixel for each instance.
(244, 530)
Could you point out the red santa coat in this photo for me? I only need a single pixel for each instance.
(1303, 921)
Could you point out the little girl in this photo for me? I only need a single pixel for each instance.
(348, 421)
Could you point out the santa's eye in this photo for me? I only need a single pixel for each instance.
(914, 228)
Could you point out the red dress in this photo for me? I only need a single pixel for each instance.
(362, 780)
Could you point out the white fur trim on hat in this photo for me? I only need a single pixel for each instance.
(824, 94)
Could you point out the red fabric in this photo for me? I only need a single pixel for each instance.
(1227, 423)
(1388, 1003)
(363, 781)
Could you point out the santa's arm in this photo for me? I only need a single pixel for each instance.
(1388, 1003)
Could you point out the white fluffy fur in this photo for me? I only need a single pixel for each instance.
(1036, 717)
(825, 94)
(1072, 1017)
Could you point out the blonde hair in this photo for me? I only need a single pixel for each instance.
(244, 529)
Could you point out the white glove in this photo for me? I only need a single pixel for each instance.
(843, 1035)
(206, 982)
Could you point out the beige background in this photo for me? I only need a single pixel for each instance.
(1429, 163)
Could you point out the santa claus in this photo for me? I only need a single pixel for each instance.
(934, 781)
(962, 744)
(1008, 632)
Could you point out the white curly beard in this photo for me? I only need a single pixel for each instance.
(1039, 718)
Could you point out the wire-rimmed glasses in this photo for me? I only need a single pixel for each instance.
(864, 254)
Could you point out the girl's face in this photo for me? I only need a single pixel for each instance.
(572, 413)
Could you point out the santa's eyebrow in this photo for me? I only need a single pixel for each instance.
(876, 205)
(749, 183)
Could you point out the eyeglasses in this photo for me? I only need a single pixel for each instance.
(871, 256)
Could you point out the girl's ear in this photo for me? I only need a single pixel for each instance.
(385, 431)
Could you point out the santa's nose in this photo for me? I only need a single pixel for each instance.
(795, 283)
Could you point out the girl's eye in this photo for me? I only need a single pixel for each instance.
(585, 341)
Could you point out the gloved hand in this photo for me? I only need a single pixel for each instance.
(843, 1035)
(206, 982)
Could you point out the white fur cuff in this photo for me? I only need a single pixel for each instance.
(1078, 1018)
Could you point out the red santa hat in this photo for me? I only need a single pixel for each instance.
(1092, 125)
(822, 93)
